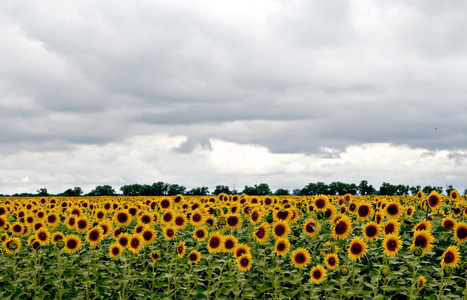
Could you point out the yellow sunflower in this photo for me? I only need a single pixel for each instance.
(451, 257)
(261, 233)
(244, 262)
(342, 228)
(392, 244)
(194, 256)
(317, 274)
(331, 260)
(422, 239)
(300, 258)
(460, 232)
(371, 231)
(282, 247)
(281, 229)
(357, 248)
(311, 227)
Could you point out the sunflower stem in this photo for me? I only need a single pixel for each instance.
(441, 285)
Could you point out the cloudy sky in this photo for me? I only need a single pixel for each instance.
(203, 93)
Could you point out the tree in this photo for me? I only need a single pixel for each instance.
(199, 191)
(282, 192)
(365, 189)
(175, 189)
(160, 188)
(262, 189)
(42, 192)
(449, 190)
(222, 189)
(427, 189)
(103, 190)
(297, 192)
(75, 192)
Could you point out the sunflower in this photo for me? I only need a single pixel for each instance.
(422, 239)
(282, 247)
(155, 256)
(170, 232)
(300, 258)
(216, 243)
(82, 224)
(72, 243)
(230, 243)
(234, 221)
(52, 220)
(145, 218)
(241, 250)
(94, 236)
(149, 235)
(255, 216)
(451, 257)
(71, 222)
(342, 228)
(311, 227)
(454, 195)
(181, 249)
(281, 229)
(99, 214)
(43, 236)
(123, 239)
(57, 236)
(331, 260)
(106, 226)
(165, 203)
(197, 218)
(423, 225)
(393, 210)
(122, 218)
(194, 256)
(261, 233)
(135, 243)
(392, 244)
(17, 229)
(371, 231)
(12, 245)
(421, 282)
(317, 274)
(410, 211)
(434, 200)
(460, 232)
(357, 248)
(322, 203)
(115, 250)
(448, 222)
(365, 211)
(391, 226)
(200, 234)
(180, 221)
(244, 262)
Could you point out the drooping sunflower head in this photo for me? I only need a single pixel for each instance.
(357, 248)
(421, 282)
(317, 274)
(155, 256)
(300, 258)
(181, 249)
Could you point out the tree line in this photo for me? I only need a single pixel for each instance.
(313, 188)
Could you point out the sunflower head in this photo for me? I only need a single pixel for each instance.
(357, 248)
(317, 274)
(194, 256)
(451, 257)
(244, 262)
(421, 282)
(300, 258)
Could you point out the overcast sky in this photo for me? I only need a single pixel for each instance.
(202, 93)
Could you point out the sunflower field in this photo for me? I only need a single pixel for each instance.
(234, 247)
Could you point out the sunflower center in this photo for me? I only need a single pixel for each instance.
(462, 233)
(392, 245)
(279, 230)
(341, 227)
(179, 221)
(94, 235)
(433, 200)
(300, 258)
(449, 257)
(193, 257)
(356, 249)
(281, 247)
(82, 224)
(196, 217)
(331, 261)
(261, 232)
(232, 221)
(214, 242)
(320, 203)
(309, 228)
(123, 242)
(254, 216)
(363, 211)
(421, 242)
(72, 244)
(317, 274)
(392, 209)
(42, 236)
(122, 218)
(371, 231)
(200, 233)
(389, 228)
(147, 235)
(115, 251)
(244, 262)
(448, 225)
(170, 233)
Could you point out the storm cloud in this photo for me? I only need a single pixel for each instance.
(91, 91)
